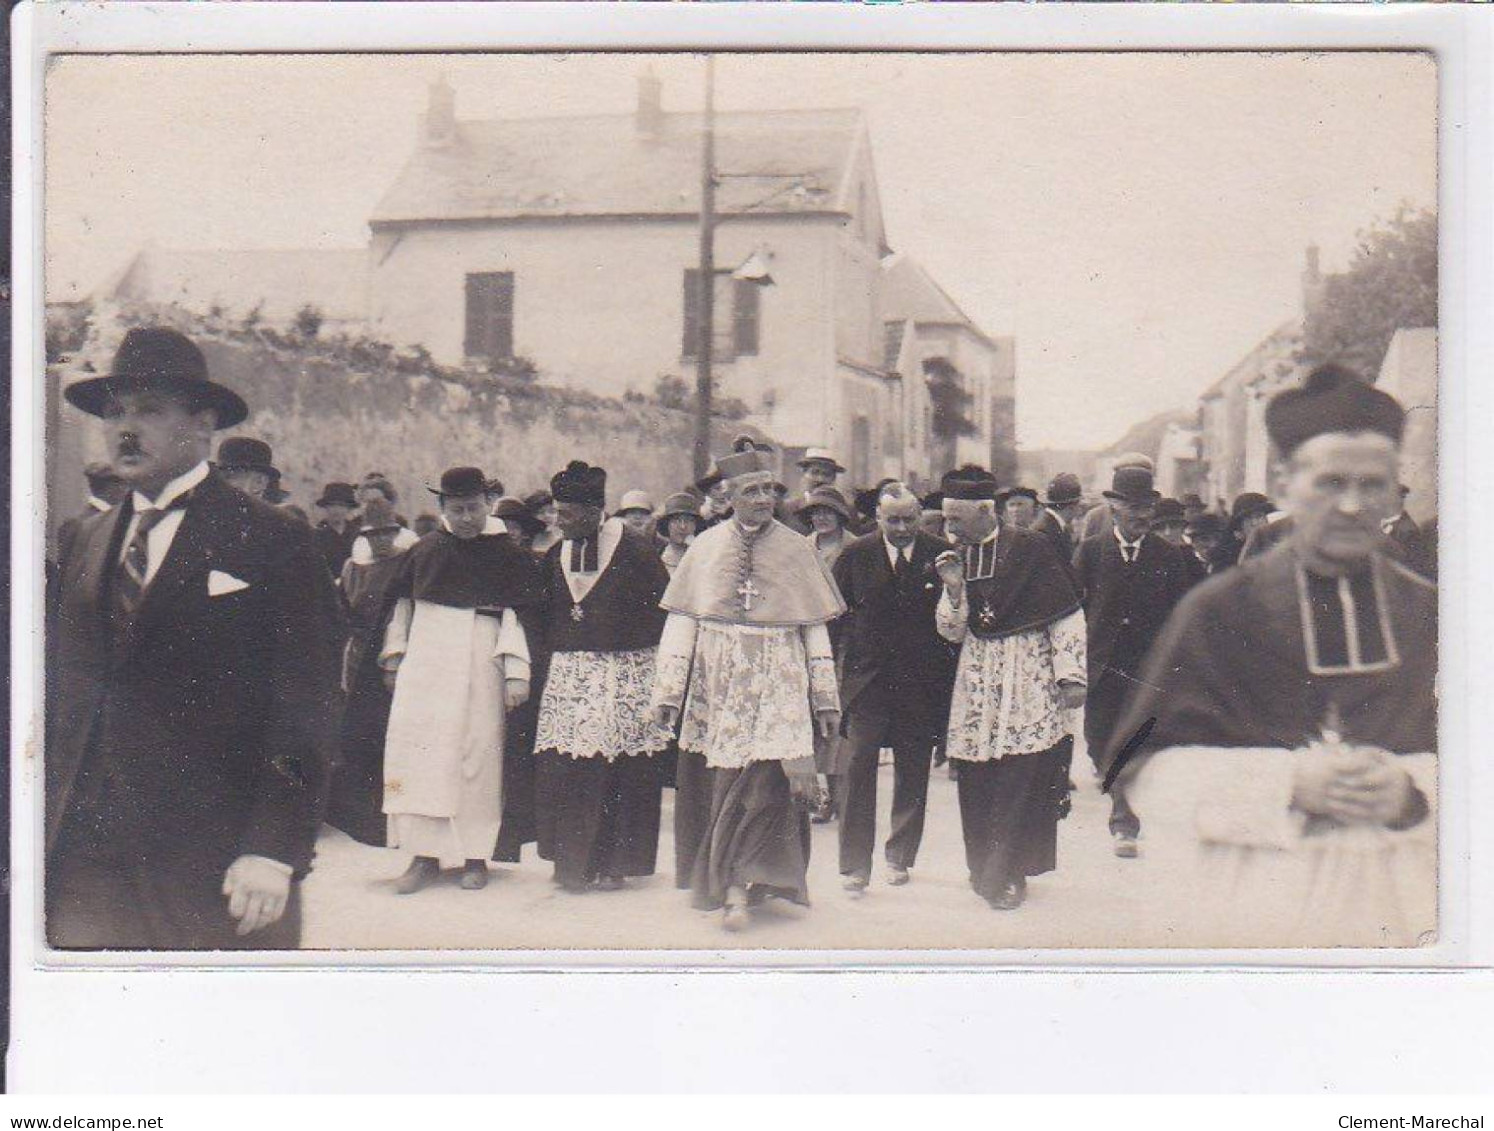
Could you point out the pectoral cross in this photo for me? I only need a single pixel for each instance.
(576, 613)
(747, 591)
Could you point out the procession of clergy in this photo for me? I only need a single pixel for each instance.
(539, 671)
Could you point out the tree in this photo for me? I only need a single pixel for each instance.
(1390, 284)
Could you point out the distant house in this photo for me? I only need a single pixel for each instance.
(929, 338)
(272, 285)
(572, 243)
(1409, 373)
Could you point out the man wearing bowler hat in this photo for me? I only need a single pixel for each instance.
(1055, 520)
(195, 711)
(336, 532)
(249, 465)
(1131, 579)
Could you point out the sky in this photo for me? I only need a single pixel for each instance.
(1137, 221)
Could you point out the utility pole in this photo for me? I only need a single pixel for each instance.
(705, 323)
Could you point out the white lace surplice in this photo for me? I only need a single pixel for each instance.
(1006, 690)
(1245, 869)
(751, 688)
(597, 704)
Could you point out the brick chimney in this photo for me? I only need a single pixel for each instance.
(649, 117)
(438, 125)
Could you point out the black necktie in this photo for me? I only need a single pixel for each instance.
(584, 555)
(900, 567)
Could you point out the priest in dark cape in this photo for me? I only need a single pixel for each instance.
(1011, 604)
(599, 755)
(457, 653)
(745, 663)
(1284, 736)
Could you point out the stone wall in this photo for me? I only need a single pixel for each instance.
(331, 415)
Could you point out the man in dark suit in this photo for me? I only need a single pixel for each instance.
(896, 675)
(1055, 520)
(1131, 579)
(105, 489)
(196, 671)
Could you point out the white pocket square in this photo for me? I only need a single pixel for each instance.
(220, 583)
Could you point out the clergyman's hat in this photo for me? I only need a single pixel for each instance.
(338, 495)
(746, 457)
(1331, 399)
(462, 483)
(158, 357)
(1132, 485)
(969, 482)
(580, 482)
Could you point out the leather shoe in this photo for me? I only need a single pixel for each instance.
(734, 916)
(474, 875)
(897, 876)
(854, 883)
(611, 883)
(422, 870)
(1011, 897)
(1126, 847)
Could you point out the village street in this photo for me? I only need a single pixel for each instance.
(1093, 899)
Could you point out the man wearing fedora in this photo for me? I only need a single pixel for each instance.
(1131, 579)
(1055, 520)
(336, 531)
(249, 465)
(818, 468)
(196, 661)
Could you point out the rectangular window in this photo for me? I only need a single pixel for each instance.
(735, 315)
(490, 316)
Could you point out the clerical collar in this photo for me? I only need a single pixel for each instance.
(172, 491)
(980, 559)
(1346, 625)
(1387, 525)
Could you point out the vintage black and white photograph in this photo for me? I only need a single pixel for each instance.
(740, 502)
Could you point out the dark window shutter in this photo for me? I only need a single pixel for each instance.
(490, 315)
(691, 342)
(745, 297)
(477, 317)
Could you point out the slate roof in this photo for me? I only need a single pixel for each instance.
(602, 165)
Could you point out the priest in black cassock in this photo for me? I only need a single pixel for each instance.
(599, 770)
(456, 656)
(1011, 604)
(1282, 746)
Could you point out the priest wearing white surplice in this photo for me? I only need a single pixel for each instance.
(457, 655)
(1011, 604)
(1283, 738)
(746, 657)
